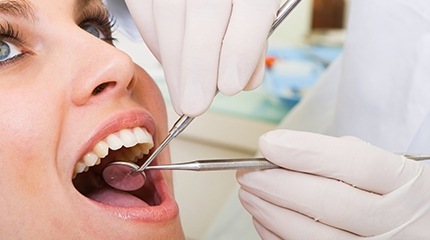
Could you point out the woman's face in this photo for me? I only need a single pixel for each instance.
(67, 98)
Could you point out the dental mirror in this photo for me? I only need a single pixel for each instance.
(124, 176)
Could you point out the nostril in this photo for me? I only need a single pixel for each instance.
(100, 88)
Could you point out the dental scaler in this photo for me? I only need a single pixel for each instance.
(129, 176)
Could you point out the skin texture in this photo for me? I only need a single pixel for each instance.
(48, 114)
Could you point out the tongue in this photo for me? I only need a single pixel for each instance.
(113, 197)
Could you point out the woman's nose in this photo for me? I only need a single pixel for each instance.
(102, 71)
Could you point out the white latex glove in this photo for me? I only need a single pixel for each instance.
(336, 188)
(205, 45)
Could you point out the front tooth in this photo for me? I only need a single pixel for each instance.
(142, 135)
(114, 142)
(127, 138)
(90, 159)
(101, 149)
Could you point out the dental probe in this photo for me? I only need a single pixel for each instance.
(217, 164)
(119, 182)
(115, 170)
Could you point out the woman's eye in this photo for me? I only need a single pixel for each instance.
(91, 29)
(8, 51)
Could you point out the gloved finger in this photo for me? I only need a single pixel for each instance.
(258, 75)
(286, 223)
(143, 15)
(264, 232)
(206, 22)
(340, 205)
(244, 42)
(326, 200)
(355, 162)
(169, 18)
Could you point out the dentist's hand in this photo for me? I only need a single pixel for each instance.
(336, 188)
(205, 45)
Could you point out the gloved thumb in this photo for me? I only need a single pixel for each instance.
(345, 159)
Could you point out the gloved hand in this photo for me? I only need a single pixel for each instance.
(205, 45)
(336, 188)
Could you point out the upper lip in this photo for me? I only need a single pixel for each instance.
(123, 120)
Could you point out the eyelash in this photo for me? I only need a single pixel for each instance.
(104, 22)
(9, 34)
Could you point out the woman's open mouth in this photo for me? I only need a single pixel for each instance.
(128, 145)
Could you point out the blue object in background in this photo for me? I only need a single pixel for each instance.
(293, 70)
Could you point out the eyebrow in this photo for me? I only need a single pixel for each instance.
(23, 8)
(82, 4)
(17, 8)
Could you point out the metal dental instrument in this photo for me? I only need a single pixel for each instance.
(115, 171)
(118, 172)
(181, 123)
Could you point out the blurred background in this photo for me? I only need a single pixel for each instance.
(299, 52)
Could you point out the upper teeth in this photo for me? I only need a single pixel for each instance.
(137, 141)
